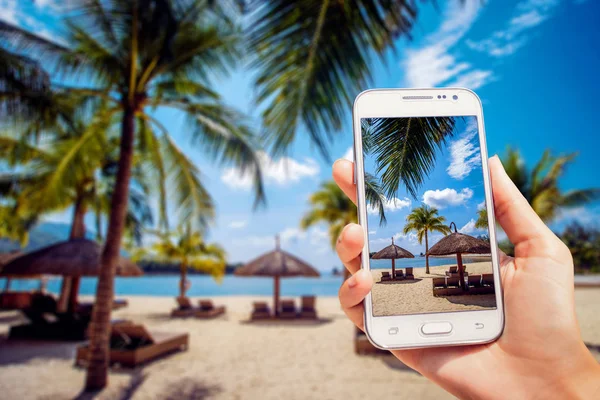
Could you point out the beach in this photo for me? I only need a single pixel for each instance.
(415, 296)
(229, 358)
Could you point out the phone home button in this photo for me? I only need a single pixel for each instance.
(436, 328)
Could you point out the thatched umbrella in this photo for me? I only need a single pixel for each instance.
(392, 252)
(72, 258)
(459, 243)
(277, 264)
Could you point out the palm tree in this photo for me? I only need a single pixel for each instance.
(405, 149)
(330, 205)
(541, 187)
(423, 220)
(313, 56)
(189, 250)
(482, 219)
(138, 56)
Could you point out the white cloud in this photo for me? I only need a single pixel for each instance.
(436, 63)
(582, 215)
(279, 172)
(464, 153)
(481, 205)
(9, 12)
(349, 154)
(238, 224)
(528, 15)
(390, 205)
(316, 237)
(372, 232)
(469, 227)
(399, 237)
(446, 197)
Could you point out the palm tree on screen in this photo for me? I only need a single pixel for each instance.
(425, 220)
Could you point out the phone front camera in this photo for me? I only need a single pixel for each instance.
(455, 97)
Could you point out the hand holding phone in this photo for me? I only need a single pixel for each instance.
(540, 353)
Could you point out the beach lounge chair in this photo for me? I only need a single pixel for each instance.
(452, 270)
(453, 284)
(261, 311)
(439, 286)
(308, 309)
(132, 344)
(185, 308)
(487, 280)
(474, 281)
(409, 273)
(15, 300)
(207, 309)
(399, 275)
(288, 309)
(385, 276)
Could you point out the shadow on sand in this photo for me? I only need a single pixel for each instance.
(21, 351)
(287, 322)
(189, 389)
(125, 393)
(399, 282)
(392, 362)
(483, 300)
(593, 347)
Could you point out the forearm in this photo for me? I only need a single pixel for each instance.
(581, 381)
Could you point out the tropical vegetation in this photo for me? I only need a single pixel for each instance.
(190, 251)
(425, 220)
(584, 243)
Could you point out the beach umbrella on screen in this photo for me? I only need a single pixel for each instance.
(392, 252)
(459, 243)
(277, 264)
(72, 258)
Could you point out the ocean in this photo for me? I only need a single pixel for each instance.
(202, 285)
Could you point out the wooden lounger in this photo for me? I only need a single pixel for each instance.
(132, 345)
(409, 273)
(487, 280)
(385, 276)
(439, 286)
(185, 308)
(308, 309)
(474, 281)
(261, 311)
(452, 270)
(288, 309)
(452, 281)
(208, 310)
(399, 275)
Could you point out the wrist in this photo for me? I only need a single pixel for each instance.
(580, 380)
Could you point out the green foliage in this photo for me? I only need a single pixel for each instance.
(330, 205)
(315, 56)
(425, 219)
(584, 243)
(404, 149)
(541, 185)
(482, 219)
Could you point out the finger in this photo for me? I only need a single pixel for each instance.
(512, 211)
(352, 293)
(350, 245)
(343, 175)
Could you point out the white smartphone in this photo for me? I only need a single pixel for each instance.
(425, 203)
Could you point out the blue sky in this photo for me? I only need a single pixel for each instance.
(454, 187)
(534, 64)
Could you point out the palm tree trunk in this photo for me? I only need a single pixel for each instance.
(97, 371)
(77, 232)
(426, 253)
(182, 280)
(461, 271)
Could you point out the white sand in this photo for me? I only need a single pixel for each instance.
(416, 296)
(231, 359)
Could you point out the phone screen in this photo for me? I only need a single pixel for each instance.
(429, 240)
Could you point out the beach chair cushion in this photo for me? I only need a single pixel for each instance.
(438, 282)
(453, 281)
(487, 279)
(184, 303)
(206, 305)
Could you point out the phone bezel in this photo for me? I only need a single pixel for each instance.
(390, 103)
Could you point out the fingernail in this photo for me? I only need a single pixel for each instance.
(352, 281)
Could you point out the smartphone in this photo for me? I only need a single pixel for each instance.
(425, 203)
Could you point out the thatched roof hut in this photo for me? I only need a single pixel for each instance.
(277, 264)
(392, 252)
(76, 257)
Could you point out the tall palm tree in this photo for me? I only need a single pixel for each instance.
(313, 56)
(404, 149)
(541, 185)
(189, 250)
(138, 56)
(424, 220)
(330, 205)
